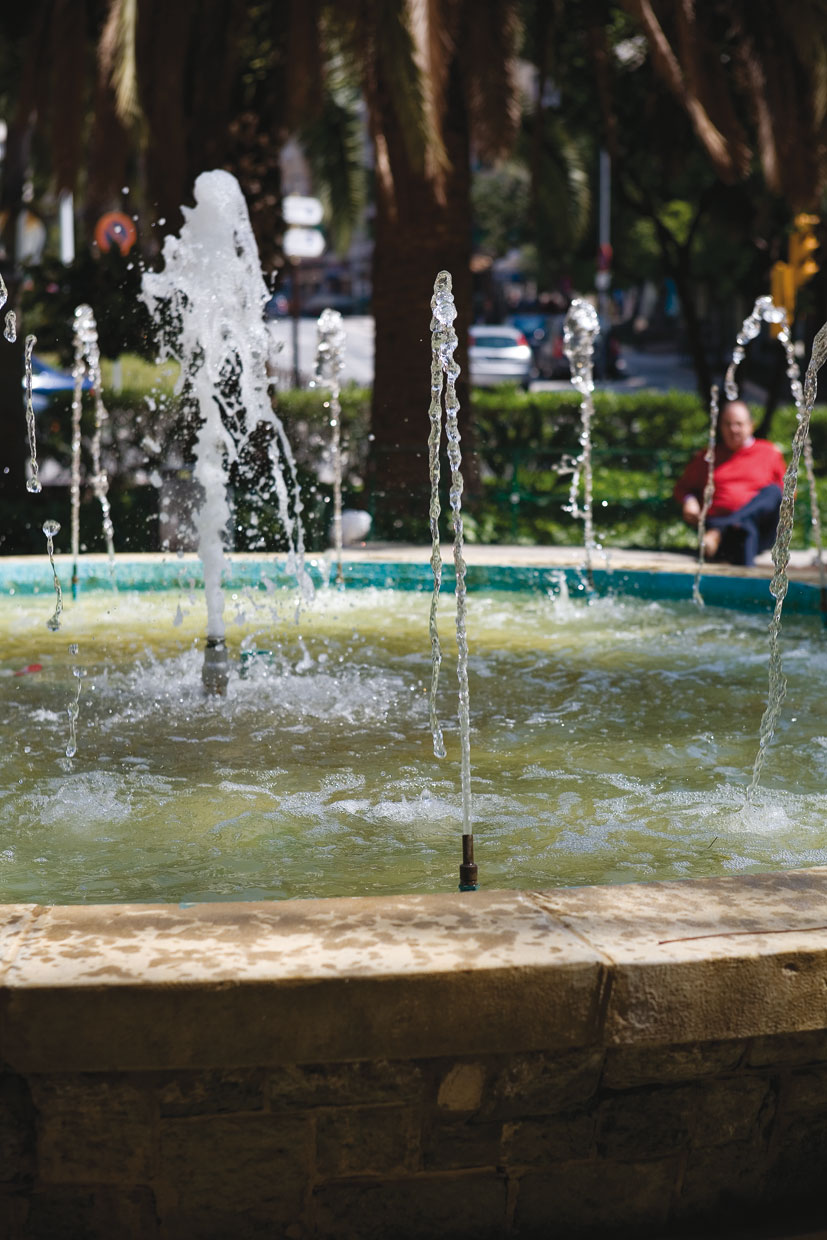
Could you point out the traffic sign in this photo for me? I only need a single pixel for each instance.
(303, 243)
(301, 211)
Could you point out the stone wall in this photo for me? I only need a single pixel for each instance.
(511, 1064)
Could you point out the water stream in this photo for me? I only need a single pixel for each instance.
(330, 360)
(579, 332)
(443, 345)
(777, 687)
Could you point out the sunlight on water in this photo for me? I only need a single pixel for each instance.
(613, 742)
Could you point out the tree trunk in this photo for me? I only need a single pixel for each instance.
(683, 284)
(12, 403)
(417, 235)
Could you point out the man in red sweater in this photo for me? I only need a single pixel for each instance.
(749, 476)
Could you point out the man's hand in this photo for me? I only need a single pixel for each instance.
(691, 510)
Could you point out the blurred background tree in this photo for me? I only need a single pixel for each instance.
(485, 120)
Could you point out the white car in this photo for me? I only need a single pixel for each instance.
(499, 354)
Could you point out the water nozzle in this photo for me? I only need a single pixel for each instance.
(215, 672)
(468, 870)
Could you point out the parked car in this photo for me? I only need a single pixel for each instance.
(47, 381)
(545, 335)
(499, 353)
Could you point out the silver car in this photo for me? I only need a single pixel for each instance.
(499, 354)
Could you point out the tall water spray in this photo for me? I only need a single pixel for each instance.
(330, 359)
(781, 553)
(209, 301)
(579, 332)
(443, 344)
(709, 490)
(87, 365)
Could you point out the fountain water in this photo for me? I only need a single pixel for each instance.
(580, 330)
(574, 781)
(330, 358)
(443, 344)
(211, 283)
(87, 366)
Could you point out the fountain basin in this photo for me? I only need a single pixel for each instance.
(599, 1060)
(611, 741)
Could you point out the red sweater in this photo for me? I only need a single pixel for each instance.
(739, 475)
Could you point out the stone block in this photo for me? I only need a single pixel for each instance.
(464, 1144)
(738, 1109)
(805, 1091)
(723, 1180)
(577, 1199)
(706, 960)
(462, 1207)
(367, 1141)
(141, 987)
(646, 1123)
(231, 1175)
(537, 1084)
(548, 1139)
(305, 1086)
(799, 1156)
(91, 1213)
(94, 1129)
(212, 1093)
(629, 1066)
(461, 1087)
(790, 1048)
(17, 1132)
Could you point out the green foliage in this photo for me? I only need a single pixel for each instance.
(109, 283)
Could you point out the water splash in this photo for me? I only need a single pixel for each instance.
(213, 325)
(33, 484)
(709, 491)
(443, 344)
(781, 555)
(579, 331)
(73, 709)
(330, 359)
(50, 529)
(10, 327)
(87, 362)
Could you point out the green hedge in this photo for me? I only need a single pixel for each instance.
(641, 441)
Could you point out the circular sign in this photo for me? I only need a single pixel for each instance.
(115, 229)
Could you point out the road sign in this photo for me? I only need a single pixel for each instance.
(303, 243)
(302, 212)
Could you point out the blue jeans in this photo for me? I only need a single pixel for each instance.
(750, 529)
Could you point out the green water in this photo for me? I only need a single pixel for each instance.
(610, 743)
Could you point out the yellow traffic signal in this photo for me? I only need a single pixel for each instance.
(782, 287)
(803, 245)
(786, 278)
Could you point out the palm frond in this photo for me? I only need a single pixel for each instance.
(118, 56)
(333, 144)
(491, 35)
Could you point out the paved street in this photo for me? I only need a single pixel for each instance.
(658, 371)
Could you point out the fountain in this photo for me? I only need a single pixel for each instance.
(417, 1064)
(210, 285)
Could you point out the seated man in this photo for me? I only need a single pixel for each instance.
(749, 475)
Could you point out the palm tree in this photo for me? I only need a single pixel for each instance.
(717, 57)
(438, 82)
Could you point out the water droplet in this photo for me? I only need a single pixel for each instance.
(50, 528)
(33, 486)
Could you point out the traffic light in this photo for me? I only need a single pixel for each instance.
(803, 245)
(786, 278)
(782, 288)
